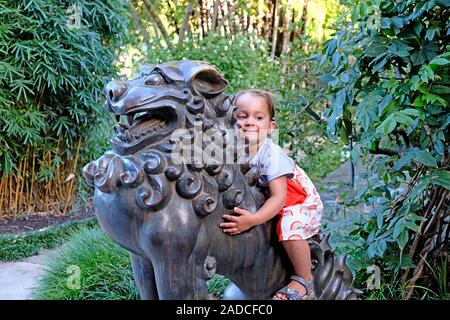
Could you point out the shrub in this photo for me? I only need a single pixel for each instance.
(105, 270)
(55, 58)
(390, 89)
(242, 59)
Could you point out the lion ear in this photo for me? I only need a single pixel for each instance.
(207, 82)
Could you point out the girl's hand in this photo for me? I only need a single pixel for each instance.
(240, 223)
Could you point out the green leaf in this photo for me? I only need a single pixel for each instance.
(380, 220)
(365, 115)
(402, 118)
(411, 112)
(415, 80)
(402, 239)
(372, 250)
(406, 262)
(332, 45)
(417, 28)
(379, 65)
(411, 225)
(343, 135)
(403, 161)
(430, 34)
(414, 217)
(440, 89)
(418, 190)
(398, 228)
(384, 103)
(441, 178)
(397, 22)
(387, 126)
(336, 58)
(425, 157)
(355, 13)
(385, 23)
(439, 61)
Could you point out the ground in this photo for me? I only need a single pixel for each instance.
(38, 221)
(18, 278)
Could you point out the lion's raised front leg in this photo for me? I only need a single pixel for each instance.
(144, 276)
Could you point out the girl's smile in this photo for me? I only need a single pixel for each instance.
(253, 118)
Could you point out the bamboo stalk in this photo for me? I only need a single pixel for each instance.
(2, 193)
(24, 175)
(275, 31)
(59, 188)
(10, 193)
(47, 187)
(33, 177)
(17, 188)
(71, 183)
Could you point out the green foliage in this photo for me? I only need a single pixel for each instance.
(105, 270)
(243, 60)
(55, 58)
(217, 285)
(301, 101)
(16, 247)
(390, 89)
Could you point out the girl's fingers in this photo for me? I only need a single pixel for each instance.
(231, 218)
(231, 231)
(228, 225)
(239, 210)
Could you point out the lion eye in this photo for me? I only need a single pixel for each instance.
(153, 80)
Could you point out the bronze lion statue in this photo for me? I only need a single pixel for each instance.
(166, 212)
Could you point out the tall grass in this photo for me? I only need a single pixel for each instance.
(15, 247)
(105, 270)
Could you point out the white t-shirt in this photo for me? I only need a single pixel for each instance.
(272, 162)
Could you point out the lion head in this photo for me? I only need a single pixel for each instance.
(157, 103)
(163, 98)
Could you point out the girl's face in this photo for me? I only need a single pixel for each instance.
(253, 118)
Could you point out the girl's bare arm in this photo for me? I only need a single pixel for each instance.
(247, 219)
(278, 190)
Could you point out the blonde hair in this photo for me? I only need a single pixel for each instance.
(267, 96)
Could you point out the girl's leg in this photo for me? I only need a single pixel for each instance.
(300, 255)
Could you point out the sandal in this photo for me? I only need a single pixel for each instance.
(292, 294)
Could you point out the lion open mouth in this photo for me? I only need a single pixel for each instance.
(137, 126)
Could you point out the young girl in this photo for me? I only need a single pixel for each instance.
(292, 194)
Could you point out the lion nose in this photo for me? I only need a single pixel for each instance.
(115, 90)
